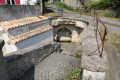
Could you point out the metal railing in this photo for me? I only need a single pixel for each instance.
(101, 36)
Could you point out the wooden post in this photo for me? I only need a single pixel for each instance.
(3, 72)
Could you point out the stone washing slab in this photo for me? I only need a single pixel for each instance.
(95, 75)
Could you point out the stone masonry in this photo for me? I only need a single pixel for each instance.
(25, 32)
(77, 3)
(94, 67)
(73, 27)
(18, 62)
(3, 71)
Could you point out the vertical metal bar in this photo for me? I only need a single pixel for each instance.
(103, 43)
(96, 25)
(44, 6)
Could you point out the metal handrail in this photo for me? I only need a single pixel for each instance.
(102, 39)
(105, 33)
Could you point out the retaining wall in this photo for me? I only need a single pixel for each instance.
(20, 61)
(10, 12)
(3, 73)
(94, 67)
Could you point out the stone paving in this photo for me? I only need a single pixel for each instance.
(56, 66)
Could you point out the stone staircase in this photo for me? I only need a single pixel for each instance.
(25, 32)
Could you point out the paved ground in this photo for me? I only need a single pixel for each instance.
(57, 65)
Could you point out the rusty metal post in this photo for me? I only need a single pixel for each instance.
(103, 43)
(3, 72)
(44, 7)
(96, 25)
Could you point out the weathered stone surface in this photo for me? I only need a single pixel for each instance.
(78, 22)
(90, 42)
(3, 72)
(10, 12)
(77, 3)
(68, 27)
(89, 75)
(20, 61)
(73, 3)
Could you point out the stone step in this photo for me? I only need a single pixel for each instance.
(29, 34)
(20, 26)
(21, 22)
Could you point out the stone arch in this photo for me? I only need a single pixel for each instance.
(64, 34)
(74, 31)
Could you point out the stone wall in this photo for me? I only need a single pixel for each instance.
(77, 3)
(3, 72)
(22, 29)
(61, 35)
(10, 12)
(73, 3)
(94, 67)
(27, 29)
(41, 38)
(20, 61)
(73, 26)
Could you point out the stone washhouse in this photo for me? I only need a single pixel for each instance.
(31, 39)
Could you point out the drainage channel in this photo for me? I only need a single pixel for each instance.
(57, 66)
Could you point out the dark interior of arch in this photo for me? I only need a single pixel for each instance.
(64, 32)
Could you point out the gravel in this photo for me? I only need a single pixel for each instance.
(56, 66)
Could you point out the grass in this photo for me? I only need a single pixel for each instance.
(51, 14)
(65, 6)
(78, 54)
(109, 15)
(48, 4)
(102, 4)
(62, 5)
(112, 39)
(74, 75)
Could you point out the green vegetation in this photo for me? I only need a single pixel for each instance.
(112, 39)
(98, 4)
(48, 4)
(78, 54)
(103, 4)
(51, 14)
(65, 6)
(62, 5)
(109, 15)
(74, 75)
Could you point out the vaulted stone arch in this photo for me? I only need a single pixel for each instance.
(64, 34)
(67, 29)
(68, 33)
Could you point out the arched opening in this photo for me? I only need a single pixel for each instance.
(64, 35)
